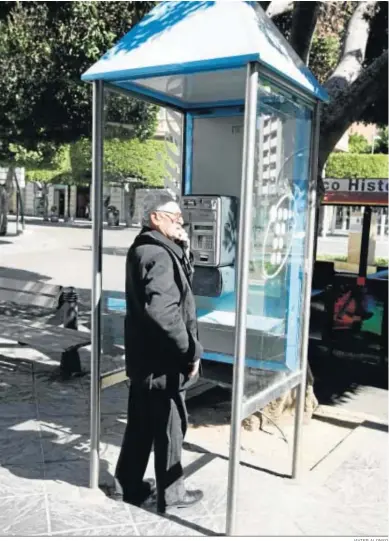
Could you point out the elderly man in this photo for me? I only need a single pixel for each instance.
(162, 357)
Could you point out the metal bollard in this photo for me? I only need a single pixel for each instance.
(70, 308)
(70, 360)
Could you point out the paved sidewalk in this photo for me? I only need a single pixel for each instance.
(44, 445)
(44, 442)
(28, 242)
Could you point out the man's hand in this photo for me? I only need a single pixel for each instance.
(195, 369)
(182, 235)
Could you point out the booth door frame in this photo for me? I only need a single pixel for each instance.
(240, 408)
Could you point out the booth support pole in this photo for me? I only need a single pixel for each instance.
(309, 251)
(364, 255)
(97, 233)
(245, 213)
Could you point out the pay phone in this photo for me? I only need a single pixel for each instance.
(212, 229)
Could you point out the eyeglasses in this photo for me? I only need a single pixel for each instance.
(175, 217)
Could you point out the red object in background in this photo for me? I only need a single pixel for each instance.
(356, 198)
(345, 311)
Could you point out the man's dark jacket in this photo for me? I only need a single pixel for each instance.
(161, 326)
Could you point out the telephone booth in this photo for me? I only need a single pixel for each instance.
(250, 112)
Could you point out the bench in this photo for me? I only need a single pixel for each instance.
(43, 333)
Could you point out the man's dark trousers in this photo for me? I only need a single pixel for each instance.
(155, 418)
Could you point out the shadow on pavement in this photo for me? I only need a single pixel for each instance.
(341, 375)
(58, 451)
(80, 224)
(109, 250)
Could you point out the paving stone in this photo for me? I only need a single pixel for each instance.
(15, 387)
(20, 446)
(70, 476)
(69, 512)
(18, 410)
(21, 480)
(21, 516)
(119, 530)
(163, 527)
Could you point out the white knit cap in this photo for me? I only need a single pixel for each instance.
(159, 200)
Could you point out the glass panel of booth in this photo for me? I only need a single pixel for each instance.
(134, 163)
(214, 143)
(278, 241)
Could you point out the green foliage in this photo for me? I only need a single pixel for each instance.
(44, 49)
(43, 155)
(48, 176)
(46, 46)
(123, 160)
(331, 257)
(56, 170)
(46, 164)
(358, 144)
(381, 144)
(381, 261)
(345, 165)
(324, 56)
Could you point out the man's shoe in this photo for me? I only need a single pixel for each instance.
(191, 497)
(147, 490)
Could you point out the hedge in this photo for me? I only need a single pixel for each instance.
(57, 171)
(345, 165)
(53, 176)
(142, 160)
(145, 161)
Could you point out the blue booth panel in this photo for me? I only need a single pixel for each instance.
(280, 206)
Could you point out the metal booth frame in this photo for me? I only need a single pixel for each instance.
(240, 409)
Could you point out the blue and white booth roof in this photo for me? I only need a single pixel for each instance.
(192, 54)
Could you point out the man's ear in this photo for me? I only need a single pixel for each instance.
(154, 218)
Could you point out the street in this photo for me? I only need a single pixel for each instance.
(65, 252)
(337, 245)
(63, 255)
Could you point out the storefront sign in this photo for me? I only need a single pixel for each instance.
(357, 191)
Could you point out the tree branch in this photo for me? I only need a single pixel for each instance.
(354, 49)
(351, 102)
(278, 7)
(304, 20)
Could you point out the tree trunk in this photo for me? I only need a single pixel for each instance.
(304, 19)
(127, 207)
(4, 203)
(20, 201)
(6, 191)
(45, 195)
(68, 196)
